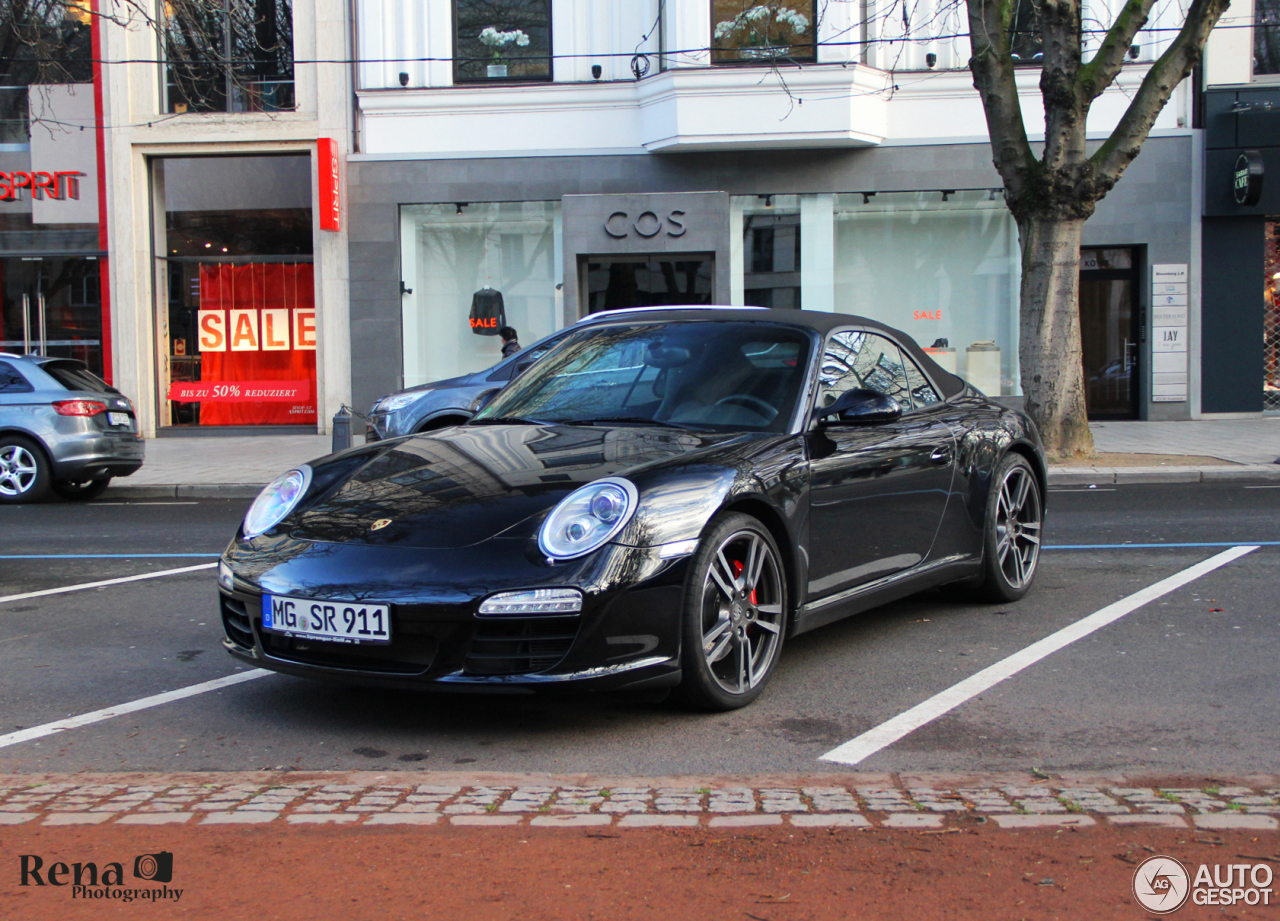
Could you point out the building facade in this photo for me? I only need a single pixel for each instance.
(228, 249)
(566, 156)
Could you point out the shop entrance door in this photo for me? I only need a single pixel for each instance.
(650, 280)
(52, 306)
(1109, 331)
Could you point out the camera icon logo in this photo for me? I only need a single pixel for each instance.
(157, 868)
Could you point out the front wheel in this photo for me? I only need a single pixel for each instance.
(83, 490)
(735, 615)
(1011, 533)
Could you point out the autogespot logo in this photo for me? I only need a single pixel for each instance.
(87, 882)
(1161, 885)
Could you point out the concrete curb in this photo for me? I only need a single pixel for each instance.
(1102, 476)
(184, 491)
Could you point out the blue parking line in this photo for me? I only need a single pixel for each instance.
(1232, 543)
(104, 556)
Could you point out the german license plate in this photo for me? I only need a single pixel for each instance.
(334, 621)
(118, 418)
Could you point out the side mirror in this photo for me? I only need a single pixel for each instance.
(484, 399)
(861, 407)
(522, 366)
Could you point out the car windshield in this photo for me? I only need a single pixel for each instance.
(75, 376)
(725, 376)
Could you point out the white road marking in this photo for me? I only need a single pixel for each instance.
(1262, 487)
(97, 716)
(889, 732)
(83, 585)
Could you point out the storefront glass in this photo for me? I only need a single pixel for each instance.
(470, 269)
(237, 328)
(942, 267)
(771, 251)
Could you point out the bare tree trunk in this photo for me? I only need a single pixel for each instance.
(1049, 319)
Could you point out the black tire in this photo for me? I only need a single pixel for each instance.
(1011, 533)
(733, 622)
(81, 490)
(24, 470)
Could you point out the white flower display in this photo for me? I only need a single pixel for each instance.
(754, 24)
(496, 40)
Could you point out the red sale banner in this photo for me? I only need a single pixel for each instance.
(240, 391)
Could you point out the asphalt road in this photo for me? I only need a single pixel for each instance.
(1184, 686)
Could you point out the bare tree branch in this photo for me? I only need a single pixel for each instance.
(1099, 73)
(994, 79)
(1111, 159)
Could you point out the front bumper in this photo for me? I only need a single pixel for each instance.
(627, 635)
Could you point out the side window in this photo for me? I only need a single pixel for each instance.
(11, 381)
(858, 359)
(922, 392)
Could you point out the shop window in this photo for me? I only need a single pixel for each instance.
(943, 267)
(40, 43)
(1026, 44)
(771, 259)
(238, 325)
(501, 40)
(468, 270)
(621, 282)
(752, 31)
(229, 55)
(1266, 37)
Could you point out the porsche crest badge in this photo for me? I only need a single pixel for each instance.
(379, 524)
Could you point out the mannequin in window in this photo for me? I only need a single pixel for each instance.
(488, 315)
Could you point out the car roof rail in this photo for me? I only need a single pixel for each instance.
(610, 313)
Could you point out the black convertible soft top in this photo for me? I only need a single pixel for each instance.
(949, 384)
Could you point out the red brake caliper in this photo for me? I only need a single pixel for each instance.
(737, 571)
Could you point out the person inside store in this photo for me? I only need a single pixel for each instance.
(510, 344)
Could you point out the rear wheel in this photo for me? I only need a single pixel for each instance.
(1011, 548)
(734, 615)
(24, 472)
(81, 490)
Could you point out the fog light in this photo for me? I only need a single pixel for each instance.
(534, 601)
(225, 579)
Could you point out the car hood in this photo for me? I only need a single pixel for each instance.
(462, 486)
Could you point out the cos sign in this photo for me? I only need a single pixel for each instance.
(647, 224)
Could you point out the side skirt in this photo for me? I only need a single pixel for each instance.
(882, 591)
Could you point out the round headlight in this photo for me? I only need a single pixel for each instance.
(276, 501)
(586, 518)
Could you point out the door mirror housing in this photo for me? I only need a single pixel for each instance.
(484, 399)
(860, 407)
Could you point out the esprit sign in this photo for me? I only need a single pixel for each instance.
(271, 329)
(619, 225)
(327, 165)
(59, 185)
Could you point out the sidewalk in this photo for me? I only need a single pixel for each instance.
(237, 467)
(540, 800)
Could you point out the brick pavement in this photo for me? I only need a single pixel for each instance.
(345, 799)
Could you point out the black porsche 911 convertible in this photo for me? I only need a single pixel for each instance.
(660, 501)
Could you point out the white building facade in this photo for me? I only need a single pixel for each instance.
(581, 155)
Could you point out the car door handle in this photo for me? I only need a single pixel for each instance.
(941, 456)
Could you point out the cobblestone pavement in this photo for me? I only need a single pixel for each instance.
(378, 800)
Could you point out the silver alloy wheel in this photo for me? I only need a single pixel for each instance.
(18, 470)
(1018, 519)
(742, 612)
